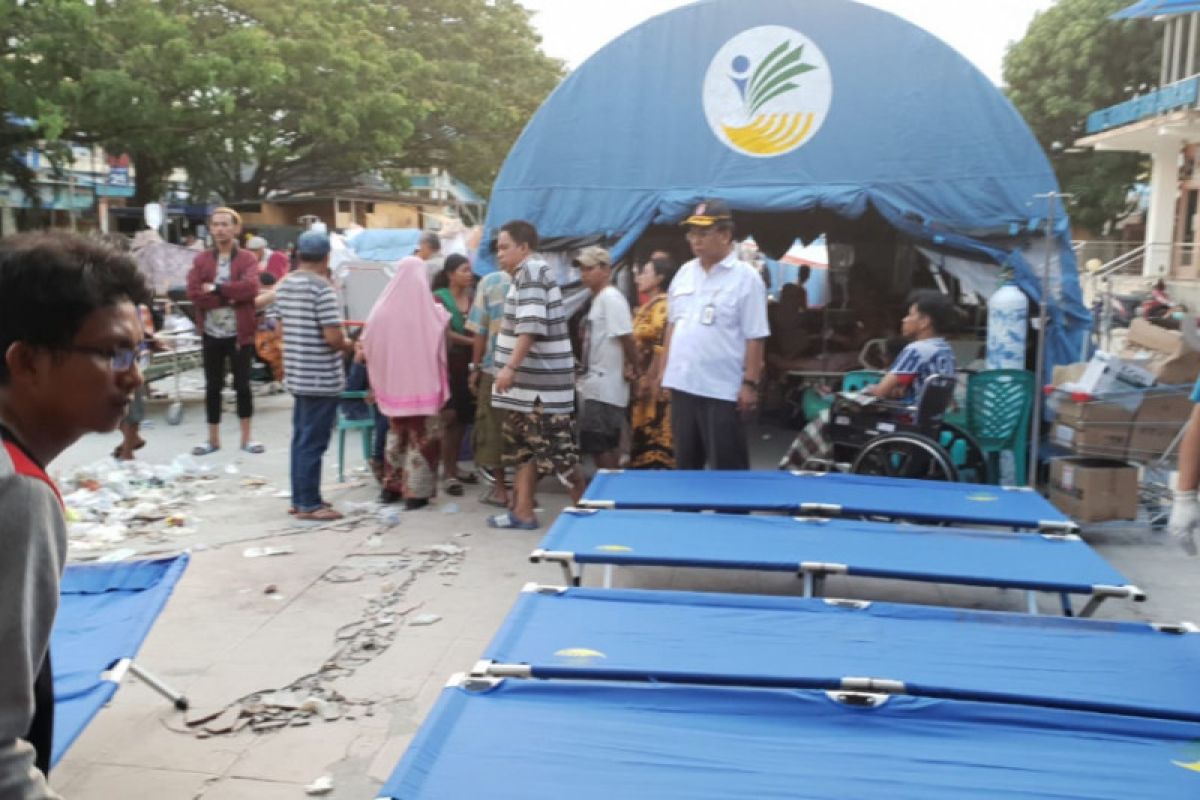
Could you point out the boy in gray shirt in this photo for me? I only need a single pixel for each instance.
(69, 336)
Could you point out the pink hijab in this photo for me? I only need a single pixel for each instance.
(405, 344)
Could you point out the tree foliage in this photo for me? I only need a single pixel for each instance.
(1074, 60)
(252, 96)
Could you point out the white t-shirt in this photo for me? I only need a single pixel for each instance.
(607, 321)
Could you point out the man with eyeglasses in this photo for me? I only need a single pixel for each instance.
(713, 349)
(69, 336)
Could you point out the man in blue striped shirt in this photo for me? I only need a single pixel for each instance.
(313, 346)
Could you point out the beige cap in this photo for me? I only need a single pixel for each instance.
(592, 256)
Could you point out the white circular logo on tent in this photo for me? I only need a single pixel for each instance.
(767, 91)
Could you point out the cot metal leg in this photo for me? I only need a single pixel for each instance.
(181, 702)
(818, 584)
(1092, 604)
(807, 577)
(1031, 604)
(608, 576)
(1065, 599)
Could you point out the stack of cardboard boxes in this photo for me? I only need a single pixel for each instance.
(1117, 409)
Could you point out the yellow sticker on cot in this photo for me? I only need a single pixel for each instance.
(982, 498)
(579, 652)
(614, 548)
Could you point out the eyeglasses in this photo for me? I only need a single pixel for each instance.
(119, 358)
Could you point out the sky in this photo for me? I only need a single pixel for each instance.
(979, 29)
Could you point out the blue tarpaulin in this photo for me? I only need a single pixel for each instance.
(825, 494)
(689, 637)
(782, 107)
(385, 244)
(538, 740)
(105, 612)
(1157, 8)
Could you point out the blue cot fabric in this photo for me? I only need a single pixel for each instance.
(538, 740)
(867, 549)
(1085, 664)
(946, 159)
(928, 501)
(105, 612)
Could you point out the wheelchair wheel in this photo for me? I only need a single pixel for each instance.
(965, 453)
(905, 455)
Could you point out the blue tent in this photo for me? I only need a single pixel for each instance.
(822, 110)
(1157, 8)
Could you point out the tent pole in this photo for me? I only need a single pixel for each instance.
(1043, 300)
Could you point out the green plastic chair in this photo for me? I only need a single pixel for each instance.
(345, 425)
(999, 405)
(814, 402)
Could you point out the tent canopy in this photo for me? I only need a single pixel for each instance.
(1157, 8)
(825, 109)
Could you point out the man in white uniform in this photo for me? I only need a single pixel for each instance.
(717, 313)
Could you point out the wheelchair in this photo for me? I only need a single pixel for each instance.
(894, 440)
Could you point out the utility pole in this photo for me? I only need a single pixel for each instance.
(1043, 302)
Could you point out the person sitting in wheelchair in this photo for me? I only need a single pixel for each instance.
(930, 316)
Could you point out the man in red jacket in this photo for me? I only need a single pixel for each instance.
(222, 285)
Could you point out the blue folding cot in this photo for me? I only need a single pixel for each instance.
(1128, 668)
(105, 612)
(508, 739)
(826, 494)
(814, 548)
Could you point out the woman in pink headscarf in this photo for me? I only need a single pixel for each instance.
(405, 347)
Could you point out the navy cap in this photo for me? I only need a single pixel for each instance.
(313, 245)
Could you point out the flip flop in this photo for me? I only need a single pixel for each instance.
(469, 478)
(509, 522)
(204, 449)
(253, 447)
(454, 487)
(320, 515)
(292, 509)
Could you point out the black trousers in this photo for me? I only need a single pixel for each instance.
(214, 353)
(707, 432)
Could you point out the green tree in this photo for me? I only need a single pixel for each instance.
(321, 90)
(484, 76)
(1074, 60)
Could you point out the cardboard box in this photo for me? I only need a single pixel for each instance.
(1069, 373)
(1094, 490)
(1103, 440)
(1080, 414)
(1161, 352)
(1156, 424)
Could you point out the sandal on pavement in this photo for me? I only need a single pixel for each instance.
(320, 515)
(510, 522)
(253, 447)
(205, 449)
(454, 487)
(293, 512)
(469, 478)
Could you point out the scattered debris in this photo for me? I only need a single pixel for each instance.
(425, 619)
(450, 508)
(270, 589)
(260, 552)
(321, 786)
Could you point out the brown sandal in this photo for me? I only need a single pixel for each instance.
(320, 515)
(292, 509)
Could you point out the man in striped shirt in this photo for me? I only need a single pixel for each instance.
(313, 346)
(535, 382)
